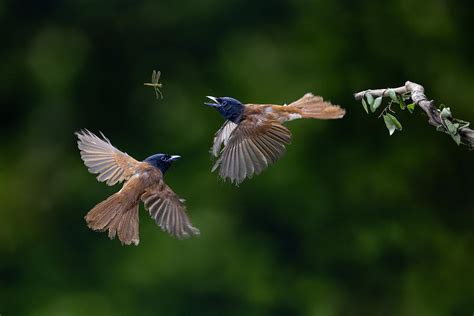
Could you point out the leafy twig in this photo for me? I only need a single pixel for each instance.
(442, 119)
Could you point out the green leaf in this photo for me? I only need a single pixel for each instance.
(370, 99)
(462, 124)
(395, 122)
(457, 139)
(390, 126)
(392, 95)
(376, 104)
(401, 102)
(411, 107)
(364, 104)
(452, 128)
(445, 113)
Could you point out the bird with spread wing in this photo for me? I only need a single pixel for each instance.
(143, 181)
(253, 136)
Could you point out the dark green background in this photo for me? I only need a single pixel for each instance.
(349, 222)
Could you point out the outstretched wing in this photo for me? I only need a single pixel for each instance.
(222, 136)
(169, 211)
(252, 146)
(102, 158)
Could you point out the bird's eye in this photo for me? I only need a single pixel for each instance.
(224, 103)
(163, 158)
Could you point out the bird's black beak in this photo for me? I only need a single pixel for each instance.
(216, 102)
(174, 157)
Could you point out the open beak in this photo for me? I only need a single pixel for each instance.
(215, 104)
(175, 157)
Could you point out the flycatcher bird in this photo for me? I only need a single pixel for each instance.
(253, 135)
(143, 182)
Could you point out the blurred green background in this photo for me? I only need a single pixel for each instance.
(349, 222)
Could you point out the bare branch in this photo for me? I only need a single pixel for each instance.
(417, 94)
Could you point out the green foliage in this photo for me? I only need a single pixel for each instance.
(393, 95)
(391, 122)
(376, 104)
(451, 126)
(401, 102)
(370, 99)
(364, 104)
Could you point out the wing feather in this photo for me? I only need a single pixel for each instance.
(169, 211)
(222, 136)
(102, 158)
(250, 148)
(243, 159)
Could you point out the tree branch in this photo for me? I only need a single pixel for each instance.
(417, 94)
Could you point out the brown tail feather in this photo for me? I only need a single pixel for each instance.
(118, 215)
(311, 106)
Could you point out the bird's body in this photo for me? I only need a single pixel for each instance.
(143, 182)
(253, 135)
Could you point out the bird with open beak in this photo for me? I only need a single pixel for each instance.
(253, 135)
(143, 182)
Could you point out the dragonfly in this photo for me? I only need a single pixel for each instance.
(155, 78)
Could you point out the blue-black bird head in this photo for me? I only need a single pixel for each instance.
(162, 161)
(230, 108)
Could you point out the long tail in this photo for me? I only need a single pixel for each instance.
(117, 214)
(311, 106)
